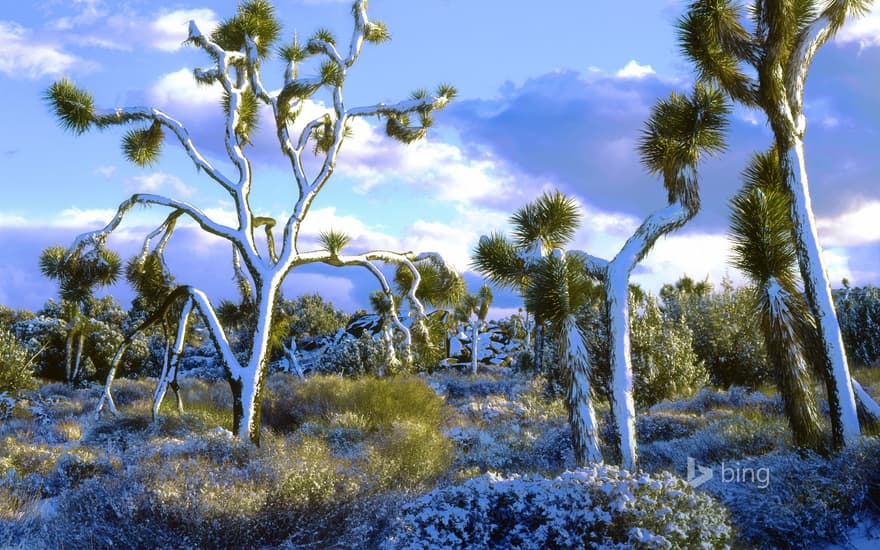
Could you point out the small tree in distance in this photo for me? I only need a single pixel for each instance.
(237, 48)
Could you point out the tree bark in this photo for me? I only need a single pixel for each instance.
(620, 360)
(475, 348)
(581, 415)
(817, 289)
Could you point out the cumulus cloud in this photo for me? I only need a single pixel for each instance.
(634, 70)
(864, 31)
(855, 227)
(170, 28)
(23, 57)
(111, 26)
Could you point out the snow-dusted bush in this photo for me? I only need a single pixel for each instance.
(599, 505)
(664, 363)
(809, 499)
(16, 369)
(356, 357)
(859, 312)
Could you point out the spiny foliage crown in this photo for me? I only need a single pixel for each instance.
(439, 285)
(558, 287)
(761, 227)
(74, 107)
(496, 258)
(679, 131)
(79, 274)
(256, 19)
(334, 241)
(550, 220)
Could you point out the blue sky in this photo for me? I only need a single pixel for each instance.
(551, 95)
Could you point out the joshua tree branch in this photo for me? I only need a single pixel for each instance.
(206, 223)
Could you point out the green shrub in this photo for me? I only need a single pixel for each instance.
(290, 402)
(16, 365)
(664, 363)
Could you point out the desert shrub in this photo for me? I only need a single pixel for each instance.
(397, 420)
(16, 365)
(599, 505)
(409, 454)
(356, 357)
(859, 312)
(809, 499)
(664, 363)
(725, 338)
(290, 402)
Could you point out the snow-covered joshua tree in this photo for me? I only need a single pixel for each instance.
(679, 132)
(779, 48)
(237, 49)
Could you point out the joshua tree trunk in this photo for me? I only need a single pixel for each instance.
(172, 363)
(581, 416)
(620, 360)
(475, 347)
(844, 416)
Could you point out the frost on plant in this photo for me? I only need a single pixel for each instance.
(268, 248)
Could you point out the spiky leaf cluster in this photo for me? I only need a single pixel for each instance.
(558, 287)
(248, 114)
(256, 19)
(712, 36)
(334, 241)
(143, 146)
(438, 284)
(474, 304)
(380, 303)
(376, 32)
(324, 135)
(497, 259)
(679, 132)
(149, 277)
(79, 274)
(331, 73)
(761, 227)
(551, 220)
(74, 107)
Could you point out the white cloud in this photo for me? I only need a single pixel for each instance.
(634, 70)
(865, 31)
(181, 90)
(78, 218)
(858, 226)
(158, 182)
(170, 29)
(697, 254)
(22, 57)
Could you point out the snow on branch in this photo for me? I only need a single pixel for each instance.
(98, 236)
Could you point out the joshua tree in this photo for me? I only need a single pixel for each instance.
(679, 132)
(779, 48)
(539, 227)
(237, 49)
(764, 251)
(78, 276)
(474, 308)
(557, 289)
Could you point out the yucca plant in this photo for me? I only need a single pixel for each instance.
(78, 276)
(548, 222)
(763, 249)
(558, 288)
(760, 54)
(473, 309)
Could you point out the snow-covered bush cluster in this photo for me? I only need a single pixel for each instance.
(858, 310)
(596, 506)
